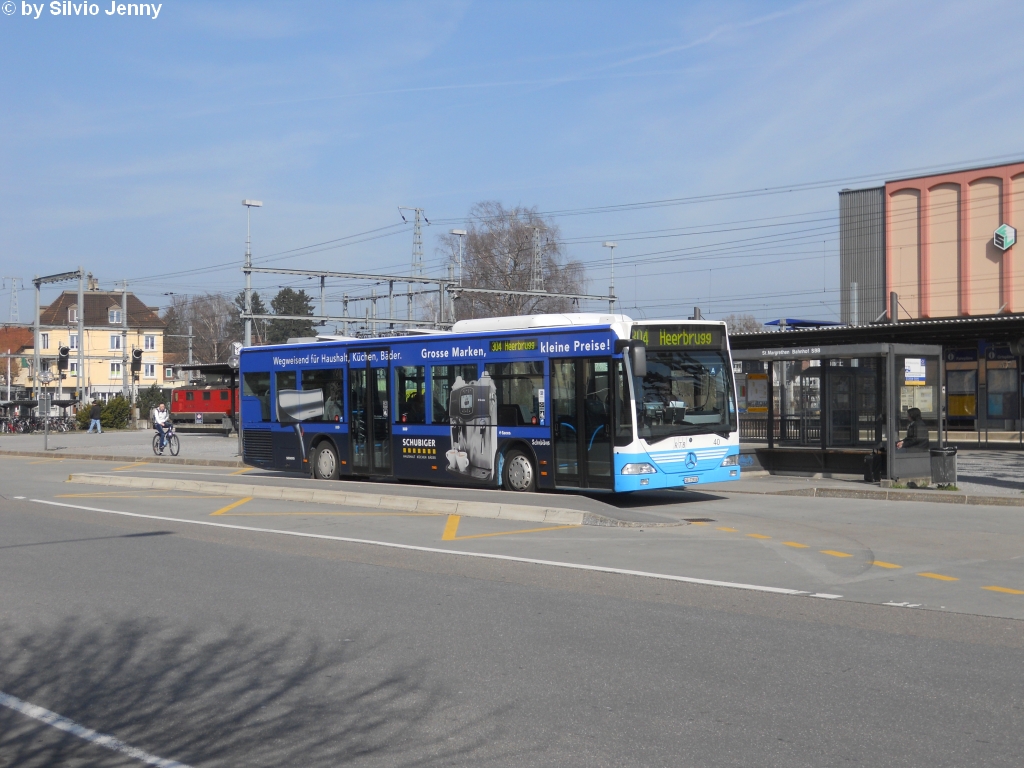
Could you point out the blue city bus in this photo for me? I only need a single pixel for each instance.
(537, 402)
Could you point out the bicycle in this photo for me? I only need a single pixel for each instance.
(172, 441)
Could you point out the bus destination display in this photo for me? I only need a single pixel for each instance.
(679, 336)
(513, 345)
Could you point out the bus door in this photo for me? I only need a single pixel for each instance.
(369, 402)
(581, 410)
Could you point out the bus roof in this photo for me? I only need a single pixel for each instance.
(524, 322)
(509, 323)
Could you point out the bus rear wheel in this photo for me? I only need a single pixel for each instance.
(518, 473)
(325, 462)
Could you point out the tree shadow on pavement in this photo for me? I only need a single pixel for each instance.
(228, 696)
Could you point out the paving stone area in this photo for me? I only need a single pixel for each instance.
(122, 443)
(991, 472)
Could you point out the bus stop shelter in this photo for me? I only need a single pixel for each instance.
(826, 408)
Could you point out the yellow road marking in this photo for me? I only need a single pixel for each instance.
(758, 536)
(697, 522)
(835, 553)
(795, 544)
(451, 527)
(231, 506)
(129, 466)
(882, 564)
(242, 471)
(729, 530)
(1005, 590)
(938, 576)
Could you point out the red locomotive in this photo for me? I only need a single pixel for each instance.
(208, 404)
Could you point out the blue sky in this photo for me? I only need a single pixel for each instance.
(129, 143)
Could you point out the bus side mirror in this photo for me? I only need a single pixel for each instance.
(638, 359)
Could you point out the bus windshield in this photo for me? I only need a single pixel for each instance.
(684, 393)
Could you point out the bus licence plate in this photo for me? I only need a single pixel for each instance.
(691, 479)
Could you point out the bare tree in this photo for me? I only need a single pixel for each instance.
(499, 255)
(743, 324)
(211, 318)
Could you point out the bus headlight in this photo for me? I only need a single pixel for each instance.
(638, 469)
(731, 461)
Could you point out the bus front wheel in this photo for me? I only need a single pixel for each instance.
(518, 473)
(325, 462)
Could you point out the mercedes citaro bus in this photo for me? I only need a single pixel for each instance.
(581, 401)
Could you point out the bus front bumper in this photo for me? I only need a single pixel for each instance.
(661, 479)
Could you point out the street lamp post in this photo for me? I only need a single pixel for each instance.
(461, 234)
(611, 283)
(249, 205)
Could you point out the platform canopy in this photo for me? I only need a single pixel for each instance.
(995, 329)
(793, 322)
(219, 369)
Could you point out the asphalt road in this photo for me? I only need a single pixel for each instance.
(220, 646)
(930, 556)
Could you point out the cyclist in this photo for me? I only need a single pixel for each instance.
(161, 423)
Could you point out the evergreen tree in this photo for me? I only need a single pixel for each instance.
(259, 327)
(290, 302)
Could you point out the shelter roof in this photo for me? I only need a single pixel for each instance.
(793, 322)
(946, 331)
(222, 369)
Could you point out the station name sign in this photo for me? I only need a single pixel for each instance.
(514, 345)
(679, 336)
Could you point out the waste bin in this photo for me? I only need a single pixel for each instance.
(944, 465)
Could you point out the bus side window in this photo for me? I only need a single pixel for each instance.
(442, 378)
(518, 388)
(255, 385)
(286, 380)
(623, 409)
(411, 391)
(330, 381)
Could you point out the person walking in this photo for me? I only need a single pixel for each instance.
(94, 417)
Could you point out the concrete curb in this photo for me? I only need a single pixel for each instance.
(519, 512)
(940, 497)
(149, 459)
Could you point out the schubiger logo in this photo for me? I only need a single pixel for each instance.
(71, 8)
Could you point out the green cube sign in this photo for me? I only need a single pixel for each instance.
(1004, 237)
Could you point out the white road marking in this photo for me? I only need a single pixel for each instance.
(435, 550)
(70, 726)
(904, 605)
(170, 472)
(18, 497)
(825, 595)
